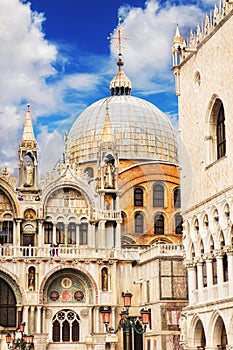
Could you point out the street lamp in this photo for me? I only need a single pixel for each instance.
(22, 341)
(126, 323)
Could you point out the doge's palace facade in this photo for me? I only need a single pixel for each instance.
(203, 73)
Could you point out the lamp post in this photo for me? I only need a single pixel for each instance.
(126, 323)
(22, 341)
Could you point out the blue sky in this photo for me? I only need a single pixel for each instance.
(55, 54)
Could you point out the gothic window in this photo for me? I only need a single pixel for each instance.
(83, 231)
(225, 267)
(178, 224)
(72, 233)
(7, 305)
(177, 199)
(139, 223)
(159, 224)
(138, 197)
(221, 139)
(158, 196)
(65, 326)
(60, 233)
(6, 235)
(90, 172)
(204, 272)
(48, 232)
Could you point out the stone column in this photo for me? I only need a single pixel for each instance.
(40, 233)
(219, 258)
(54, 232)
(101, 229)
(31, 326)
(38, 319)
(199, 275)
(16, 237)
(118, 236)
(192, 278)
(25, 318)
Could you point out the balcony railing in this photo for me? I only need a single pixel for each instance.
(87, 253)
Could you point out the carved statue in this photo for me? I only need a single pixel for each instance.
(109, 175)
(104, 279)
(28, 172)
(31, 279)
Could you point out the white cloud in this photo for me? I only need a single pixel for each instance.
(25, 62)
(148, 55)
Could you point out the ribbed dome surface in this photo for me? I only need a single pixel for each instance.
(141, 131)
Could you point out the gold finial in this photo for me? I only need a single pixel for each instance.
(119, 38)
(28, 105)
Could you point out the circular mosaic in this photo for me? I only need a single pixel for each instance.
(54, 295)
(78, 295)
(66, 282)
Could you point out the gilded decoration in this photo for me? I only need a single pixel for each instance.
(29, 214)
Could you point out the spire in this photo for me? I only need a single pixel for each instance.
(120, 84)
(28, 138)
(107, 130)
(177, 38)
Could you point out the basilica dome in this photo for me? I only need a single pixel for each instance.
(141, 131)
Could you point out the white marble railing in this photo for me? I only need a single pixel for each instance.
(162, 249)
(74, 252)
(106, 214)
(84, 252)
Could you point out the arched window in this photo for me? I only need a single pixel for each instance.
(216, 140)
(178, 224)
(72, 233)
(177, 199)
(7, 226)
(159, 224)
(83, 231)
(60, 233)
(48, 232)
(139, 223)
(7, 305)
(158, 196)
(221, 138)
(138, 197)
(215, 273)
(65, 326)
(90, 172)
(204, 272)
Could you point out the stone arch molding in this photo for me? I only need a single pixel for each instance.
(16, 284)
(194, 333)
(213, 329)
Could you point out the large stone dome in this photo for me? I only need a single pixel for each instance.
(141, 131)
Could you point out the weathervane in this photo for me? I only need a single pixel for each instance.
(119, 38)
